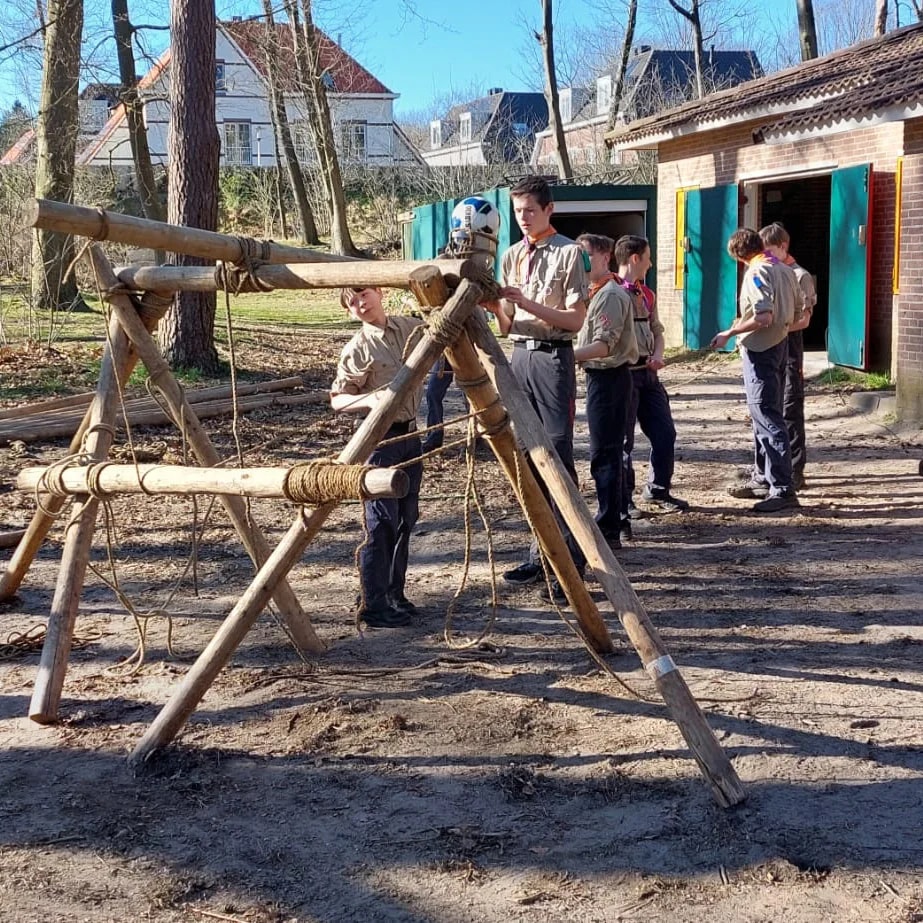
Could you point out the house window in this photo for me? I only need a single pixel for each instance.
(566, 100)
(301, 138)
(464, 128)
(435, 134)
(603, 94)
(221, 85)
(352, 140)
(237, 143)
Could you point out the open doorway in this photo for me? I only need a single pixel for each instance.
(802, 206)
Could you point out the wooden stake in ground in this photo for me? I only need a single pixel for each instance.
(234, 628)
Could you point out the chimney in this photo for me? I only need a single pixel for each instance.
(493, 91)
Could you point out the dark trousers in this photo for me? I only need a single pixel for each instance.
(650, 409)
(764, 374)
(383, 559)
(440, 377)
(608, 397)
(549, 378)
(793, 402)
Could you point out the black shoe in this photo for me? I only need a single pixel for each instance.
(625, 533)
(798, 482)
(662, 497)
(403, 604)
(613, 541)
(777, 503)
(524, 575)
(752, 490)
(557, 592)
(384, 617)
(634, 512)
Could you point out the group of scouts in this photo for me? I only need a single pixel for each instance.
(563, 305)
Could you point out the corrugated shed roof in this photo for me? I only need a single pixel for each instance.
(347, 74)
(853, 83)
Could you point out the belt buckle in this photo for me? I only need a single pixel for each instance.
(533, 344)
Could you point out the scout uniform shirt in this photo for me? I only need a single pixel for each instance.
(769, 285)
(647, 324)
(805, 282)
(550, 271)
(370, 360)
(609, 319)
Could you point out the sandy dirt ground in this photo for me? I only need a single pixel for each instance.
(403, 778)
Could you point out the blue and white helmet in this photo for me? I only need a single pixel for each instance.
(472, 218)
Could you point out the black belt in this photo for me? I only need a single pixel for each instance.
(401, 428)
(544, 345)
(642, 364)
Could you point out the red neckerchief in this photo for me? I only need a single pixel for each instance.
(531, 246)
(638, 288)
(789, 260)
(594, 287)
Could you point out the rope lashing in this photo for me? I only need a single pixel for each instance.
(321, 482)
(444, 329)
(103, 233)
(240, 275)
(151, 307)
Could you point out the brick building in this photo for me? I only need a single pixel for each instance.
(832, 148)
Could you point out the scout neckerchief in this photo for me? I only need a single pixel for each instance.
(594, 287)
(638, 288)
(531, 246)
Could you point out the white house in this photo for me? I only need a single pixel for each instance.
(361, 107)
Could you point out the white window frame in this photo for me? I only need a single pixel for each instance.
(351, 130)
(221, 78)
(464, 128)
(566, 102)
(435, 134)
(237, 141)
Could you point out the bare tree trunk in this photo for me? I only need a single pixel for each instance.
(881, 17)
(340, 239)
(546, 40)
(695, 21)
(145, 184)
(284, 134)
(56, 148)
(188, 329)
(807, 30)
(616, 102)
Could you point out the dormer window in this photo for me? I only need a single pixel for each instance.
(566, 100)
(464, 128)
(435, 134)
(603, 94)
(221, 85)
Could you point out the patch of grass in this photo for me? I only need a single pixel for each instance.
(300, 309)
(850, 379)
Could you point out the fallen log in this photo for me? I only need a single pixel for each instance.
(337, 482)
(11, 539)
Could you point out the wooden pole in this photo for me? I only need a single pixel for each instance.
(49, 681)
(383, 274)
(429, 288)
(99, 224)
(252, 538)
(286, 554)
(179, 480)
(712, 760)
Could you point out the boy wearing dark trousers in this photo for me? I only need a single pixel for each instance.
(650, 404)
(606, 350)
(543, 287)
(368, 363)
(776, 241)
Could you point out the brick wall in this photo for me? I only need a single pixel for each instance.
(729, 155)
(909, 340)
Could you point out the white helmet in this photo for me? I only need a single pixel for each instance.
(474, 226)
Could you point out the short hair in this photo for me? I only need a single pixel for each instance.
(536, 186)
(774, 235)
(628, 246)
(744, 243)
(598, 243)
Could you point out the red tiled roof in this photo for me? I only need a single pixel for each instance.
(19, 149)
(863, 81)
(348, 75)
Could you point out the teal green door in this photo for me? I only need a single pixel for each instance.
(430, 229)
(710, 275)
(850, 237)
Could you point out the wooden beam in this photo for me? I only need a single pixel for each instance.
(180, 480)
(99, 224)
(382, 274)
